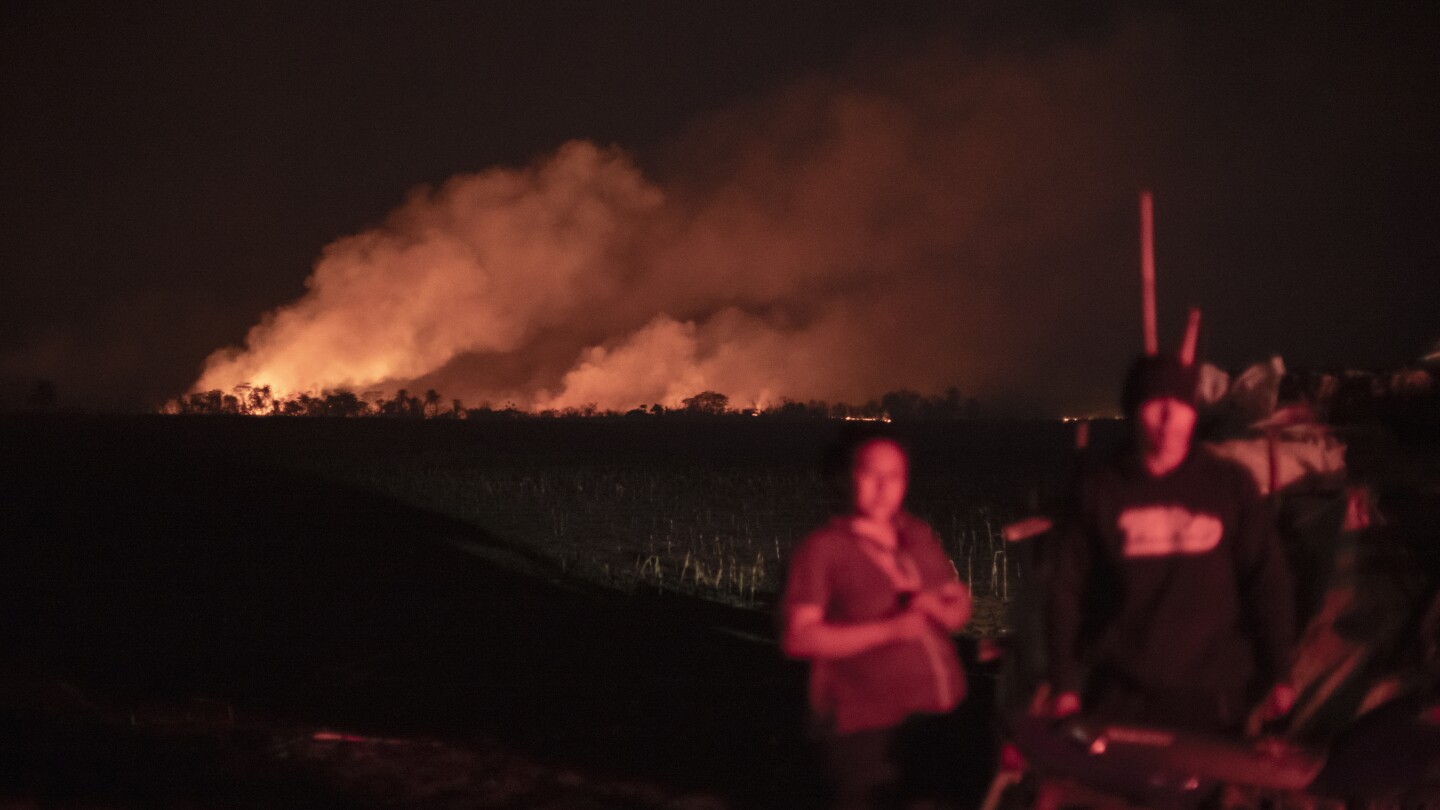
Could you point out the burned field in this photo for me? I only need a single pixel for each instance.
(253, 612)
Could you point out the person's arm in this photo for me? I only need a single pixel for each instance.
(808, 636)
(947, 606)
(1070, 558)
(805, 633)
(942, 597)
(1266, 593)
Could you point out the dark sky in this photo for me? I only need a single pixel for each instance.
(171, 171)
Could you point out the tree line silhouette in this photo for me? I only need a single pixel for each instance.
(1407, 400)
(252, 400)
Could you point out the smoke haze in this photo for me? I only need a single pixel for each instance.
(556, 203)
(841, 238)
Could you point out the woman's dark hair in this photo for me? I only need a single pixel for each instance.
(838, 464)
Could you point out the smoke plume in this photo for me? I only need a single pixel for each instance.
(913, 222)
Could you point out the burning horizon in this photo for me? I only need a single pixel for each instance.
(914, 223)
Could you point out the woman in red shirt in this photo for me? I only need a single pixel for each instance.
(871, 600)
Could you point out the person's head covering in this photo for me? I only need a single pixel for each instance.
(1154, 376)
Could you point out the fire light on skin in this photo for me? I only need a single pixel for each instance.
(1159, 394)
(1165, 425)
(880, 478)
(870, 601)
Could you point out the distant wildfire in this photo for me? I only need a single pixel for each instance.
(903, 228)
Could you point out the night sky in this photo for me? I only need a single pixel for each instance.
(947, 189)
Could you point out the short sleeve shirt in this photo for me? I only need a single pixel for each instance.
(881, 686)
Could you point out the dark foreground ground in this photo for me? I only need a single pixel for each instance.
(182, 625)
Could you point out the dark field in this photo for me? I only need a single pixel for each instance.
(489, 614)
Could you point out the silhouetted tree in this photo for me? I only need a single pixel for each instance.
(711, 403)
(310, 406)
(242, 396)
(343, 403)
(202, 402)
(793, 409)
(950, 405)
(902, 404)
(403, 405)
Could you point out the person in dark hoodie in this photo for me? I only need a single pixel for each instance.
(1171, 594)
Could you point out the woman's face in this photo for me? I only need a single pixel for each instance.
(879, 477)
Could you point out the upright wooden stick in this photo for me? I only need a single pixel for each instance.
(1192, 338)
(1147, 270)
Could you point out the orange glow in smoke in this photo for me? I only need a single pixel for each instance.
(834, 241)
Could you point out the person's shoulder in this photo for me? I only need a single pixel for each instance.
(823, 539)
(1208, 463)
(914, 530)
(907, 522)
